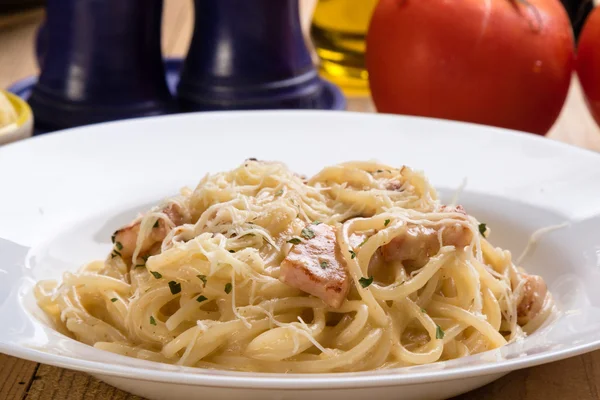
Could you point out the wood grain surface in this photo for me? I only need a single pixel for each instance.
(574, 378)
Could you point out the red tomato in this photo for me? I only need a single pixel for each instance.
(588, 62)
(497, 62)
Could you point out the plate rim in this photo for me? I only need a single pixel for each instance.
(520, 135)
(266, 380)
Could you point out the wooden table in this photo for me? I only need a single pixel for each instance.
(574, 378)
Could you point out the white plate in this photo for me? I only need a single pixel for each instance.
(61, 195)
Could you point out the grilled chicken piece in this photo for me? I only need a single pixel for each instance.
(532, 300)
(316, 266)
(418, 243)
(125, 239)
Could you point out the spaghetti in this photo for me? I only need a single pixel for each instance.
(260, 269)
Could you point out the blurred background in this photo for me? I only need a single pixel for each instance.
(334, 31)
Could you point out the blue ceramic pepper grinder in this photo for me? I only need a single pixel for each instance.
(250, 54)
(102, 62)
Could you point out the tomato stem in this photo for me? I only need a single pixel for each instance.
(536, 12)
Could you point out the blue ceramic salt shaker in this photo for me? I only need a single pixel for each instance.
(102, 61)
(249, 55)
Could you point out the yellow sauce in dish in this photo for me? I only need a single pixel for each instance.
(8, 113)
(16, 118)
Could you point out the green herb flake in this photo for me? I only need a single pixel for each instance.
(152, 321)
(482, 229)
(365, 282)
(279, 192)
(295, 241)
(379, 170)
(363, 242)
(202, 278)
(308, 233)
(175, 287)
(323, 264)
(352, 255)
(424, 311)
(157, 275)
(201, 298)
(232, 251)
(119, 246)
(317, 222)
(117, 253)
(139, 265)
(228, 288)
(114, 299)
(386, 223)
(112, 238)
(439, 333)
(156, 224)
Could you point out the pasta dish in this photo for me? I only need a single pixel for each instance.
(359, 267)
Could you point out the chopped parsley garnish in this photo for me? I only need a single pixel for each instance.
(323, 264)
(365, 282)
(379, 170)
(201, 298)
(279, 192)
(295, 241)
(152, 321)
(228, 288)
(424, 311)
(112, 238)
(156, 224)
(386, 223)
(232, 251)
(119, 246)
(175, 287)
(352, 255)
(157, 275)
(364, 241)
(439, 333)
(114, 299)
(116, 253)
(308, 233)
(144, 258)
(482, 229)
(317, 222)
(202, 278)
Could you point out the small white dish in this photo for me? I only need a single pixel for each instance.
(66, 192)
